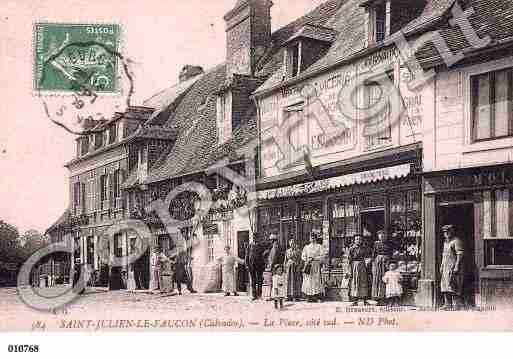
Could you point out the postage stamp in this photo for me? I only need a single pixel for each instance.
(72, 57)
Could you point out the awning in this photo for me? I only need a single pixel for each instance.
(379, 174)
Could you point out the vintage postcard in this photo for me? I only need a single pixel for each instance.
(250, 165)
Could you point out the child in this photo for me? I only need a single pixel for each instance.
(279, 288)
(394, 289)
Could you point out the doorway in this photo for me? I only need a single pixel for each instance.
(242, 273)
(461, 216)
(372, 221)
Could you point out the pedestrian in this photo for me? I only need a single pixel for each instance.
(183, 271)
(394, 288)
(229, 262)
(156, 269)
(359, 282)
(279, 288)
(451, 269)
(255, 264)
(381, 255)
(78, 282)
(293, 276)
(312, 256)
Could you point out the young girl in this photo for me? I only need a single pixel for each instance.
(394, 289)
(279, 288)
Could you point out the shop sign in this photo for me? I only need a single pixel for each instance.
(335, 182)
(499, 177)
(214, 216)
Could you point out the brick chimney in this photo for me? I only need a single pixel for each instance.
(248, 34)
(189, 72)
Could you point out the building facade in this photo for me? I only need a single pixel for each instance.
(328, 162)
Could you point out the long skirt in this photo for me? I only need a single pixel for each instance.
(359, 280)
(229, 280)
(312, 284)
(293, 279)
(450, 282)
(378, 271)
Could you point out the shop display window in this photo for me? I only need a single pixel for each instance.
(269, 219)
(311, 221)
(344, 222)
(498, 227)
(405, 234)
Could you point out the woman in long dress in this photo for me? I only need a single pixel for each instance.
(381, 254)
(228, 262)
(293, 276)
(359, 288)
(312, 256)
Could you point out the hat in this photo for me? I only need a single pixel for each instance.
(447, 228)
(273, 237)
(277, 266)
(381, 231)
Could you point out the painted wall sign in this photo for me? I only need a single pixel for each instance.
(484, 178)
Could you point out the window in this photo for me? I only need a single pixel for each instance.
(380, 23)
(227, 231)
(76, 197)
(293, 60)
(210, 248)
(224, 117)
(98, 140)
(117, 184)
(269, 221)
(498, 227)
(492, 115)
(103, 191)
(311, 216)
(405, 235)
(112, 133)
(378, 130)
(91, 192)
(343, 227)
(84, 141)
(298, 132)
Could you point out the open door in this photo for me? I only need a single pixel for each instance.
(461, 215)
(242, 273)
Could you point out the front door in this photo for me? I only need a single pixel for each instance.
(242, 273)
(461, 216)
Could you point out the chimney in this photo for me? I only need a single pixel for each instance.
(248, 35)
(189, 72)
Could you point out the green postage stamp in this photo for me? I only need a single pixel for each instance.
(76, 57)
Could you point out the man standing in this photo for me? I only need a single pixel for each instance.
(451, 269)
(255, 263)
(183, 271)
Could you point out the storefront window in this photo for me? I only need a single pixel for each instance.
(344, 222)
(288, 223)
(498, 227)
(311, 222)
(269, 219)
(405, 233)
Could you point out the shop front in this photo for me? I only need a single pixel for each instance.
(478, 202)
(336, 208)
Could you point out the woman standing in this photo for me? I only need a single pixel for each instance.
(359, 276)
(312, 256)
(381, 254)
(228, 262)
(293, 271)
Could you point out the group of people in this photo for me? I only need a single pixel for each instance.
(169, 271)
(378, 279)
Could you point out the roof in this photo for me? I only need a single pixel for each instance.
(63, 219)
(190, 109)
(490, 18)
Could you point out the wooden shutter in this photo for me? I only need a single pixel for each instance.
(110, 194)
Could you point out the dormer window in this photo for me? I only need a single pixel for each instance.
(293, 60)
(386, 17)
(224, 117)
(84, 145)
(98, 140)
(112, 133)
(308, 44)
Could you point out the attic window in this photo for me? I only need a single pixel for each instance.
(389, 16)
(293, 60)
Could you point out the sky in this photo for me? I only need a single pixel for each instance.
(159, 37)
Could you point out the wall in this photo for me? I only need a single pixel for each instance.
(451, 139)
(327, 103)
